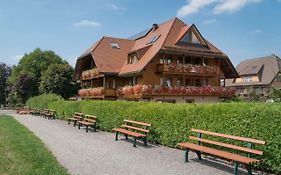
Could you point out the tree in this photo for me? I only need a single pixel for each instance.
(57, 79)
(21, 90)
(33, 65)
(5, 71)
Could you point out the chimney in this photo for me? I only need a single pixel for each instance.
(154, 26)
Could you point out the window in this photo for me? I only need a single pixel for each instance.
(152, 40)
(114, 46)
(246, 79)
(192, 37)
(133, 58)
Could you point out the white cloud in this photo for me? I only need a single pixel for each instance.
(209, 21)
(116, 7)
(220, 6)
(193, 6)
(86, 23)
(232, 5)
(256, 31)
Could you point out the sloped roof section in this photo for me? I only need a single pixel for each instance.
(268, 67)
(111, 60)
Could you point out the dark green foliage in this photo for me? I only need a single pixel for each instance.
(275, 94)
(57, 79)
(31, 65)
(172, 122)
(42, 101)
(22, 153)
(5, 71)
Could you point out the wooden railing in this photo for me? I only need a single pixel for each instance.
(88, 74)
(98, 92)
(143, 91)
(187, 68)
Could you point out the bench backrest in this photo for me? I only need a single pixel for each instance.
(249, 141)
(136, 126)
(90, 116)
(78, 115)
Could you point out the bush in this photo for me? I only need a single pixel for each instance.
(171, 123)
(42, 101)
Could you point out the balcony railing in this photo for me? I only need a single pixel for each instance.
(187, 68)
(88, 74)
(143, 91)
(98, 93)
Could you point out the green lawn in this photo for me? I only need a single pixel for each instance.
(22, 153)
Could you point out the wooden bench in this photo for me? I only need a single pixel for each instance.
(88, 120)
(77, 116)
(137, 130)
(47, 113)
(203, 146)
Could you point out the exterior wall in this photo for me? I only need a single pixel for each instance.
(149, 75)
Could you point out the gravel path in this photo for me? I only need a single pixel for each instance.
(97, 153)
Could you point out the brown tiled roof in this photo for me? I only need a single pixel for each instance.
(110, 60)
(268, 67)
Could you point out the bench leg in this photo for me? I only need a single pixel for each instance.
(235, 172)
(249, 169)
(86, 128)
(68, 122)
(186, 155)
(126, 136)
(95, 127)
(135, 142)
(199, 155)
(74, 123)
(116, 137)
(144, 141)
(79, 125)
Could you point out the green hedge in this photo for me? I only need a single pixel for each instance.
(42, 101)
(172, 122)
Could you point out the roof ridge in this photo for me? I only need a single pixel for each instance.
(169, 32)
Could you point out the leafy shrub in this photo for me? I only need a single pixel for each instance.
(42, 101)
(171, 123)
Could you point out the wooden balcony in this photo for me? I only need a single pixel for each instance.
(97, 93)
(90, 74)
(187, 69)
(147, 91)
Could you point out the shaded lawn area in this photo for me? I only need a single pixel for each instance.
(22, 153)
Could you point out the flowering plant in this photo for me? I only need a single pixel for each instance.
(92, 92)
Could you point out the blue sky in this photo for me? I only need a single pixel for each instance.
(240, 28)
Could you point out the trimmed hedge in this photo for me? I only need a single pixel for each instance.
(171, 123)
(42, 101)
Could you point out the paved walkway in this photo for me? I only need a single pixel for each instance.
(97, 153)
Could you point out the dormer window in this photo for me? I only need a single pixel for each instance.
(152, 39)
(192, 37)
(133, 58)
(115, 46)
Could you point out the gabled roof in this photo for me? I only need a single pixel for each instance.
(110, 60)
(267, 67)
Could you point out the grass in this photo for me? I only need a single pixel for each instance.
(21, 152)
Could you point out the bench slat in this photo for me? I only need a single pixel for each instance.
(89, 120)
(86, 123)
(254, 151)
(138, 123)
(219, 153)
(244, 139)
(135, 128)
(131, 133)
(91, 116)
